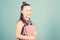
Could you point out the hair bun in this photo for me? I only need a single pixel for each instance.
(23, 3)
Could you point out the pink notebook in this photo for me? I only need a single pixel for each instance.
(29, 30)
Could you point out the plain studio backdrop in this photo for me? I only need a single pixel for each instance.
(45, 16)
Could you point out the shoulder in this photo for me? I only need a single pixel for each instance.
(19, 23)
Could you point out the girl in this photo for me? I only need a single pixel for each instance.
(23, 22)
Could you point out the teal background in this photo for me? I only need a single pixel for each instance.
(45, 15)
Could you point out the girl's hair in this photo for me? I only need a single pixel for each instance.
(21, 15)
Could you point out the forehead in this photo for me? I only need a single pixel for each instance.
(26, 8)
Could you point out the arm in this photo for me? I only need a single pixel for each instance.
(18, 32)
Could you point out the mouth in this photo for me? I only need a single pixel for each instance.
(29, 14)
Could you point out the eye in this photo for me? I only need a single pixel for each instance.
(30, 10)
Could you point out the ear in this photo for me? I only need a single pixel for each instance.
(22, 11)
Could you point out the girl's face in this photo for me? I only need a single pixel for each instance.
(26, 11)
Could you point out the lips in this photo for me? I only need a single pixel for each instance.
(29, 14)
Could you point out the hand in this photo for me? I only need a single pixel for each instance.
(32, 38)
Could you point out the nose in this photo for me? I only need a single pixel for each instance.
(29, 11)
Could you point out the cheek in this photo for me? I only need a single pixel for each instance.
(28, 13)
(24, 13)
